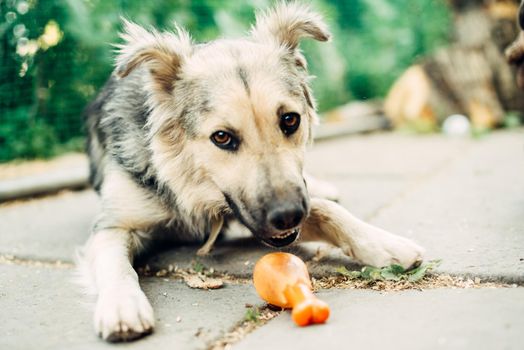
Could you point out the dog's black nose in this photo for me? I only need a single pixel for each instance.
(285, 217)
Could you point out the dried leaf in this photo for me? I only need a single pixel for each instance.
(203, 282)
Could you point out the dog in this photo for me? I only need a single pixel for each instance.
(190, 140)
(515, 51)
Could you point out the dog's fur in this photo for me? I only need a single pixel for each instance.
(159, 173)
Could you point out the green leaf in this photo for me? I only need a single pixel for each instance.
(419, 272)
(392, 273)
(388, 275)
(371, 273)
(198, 266)
(345, 272)
(252, 314)
(397, 269)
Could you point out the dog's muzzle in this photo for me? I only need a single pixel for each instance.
(283, 221)
(279, 227)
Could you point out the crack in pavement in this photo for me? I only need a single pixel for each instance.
(238, 332)
(7, 259)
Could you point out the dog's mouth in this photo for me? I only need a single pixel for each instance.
(283, 239)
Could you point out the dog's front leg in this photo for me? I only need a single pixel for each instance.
(370, 245)
(122, 310)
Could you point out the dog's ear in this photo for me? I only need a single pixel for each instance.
(162, 53)
(287, 23)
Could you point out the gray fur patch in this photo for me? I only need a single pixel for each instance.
(244, 78)
(194, 102)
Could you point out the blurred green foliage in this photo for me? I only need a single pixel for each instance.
(56, 54)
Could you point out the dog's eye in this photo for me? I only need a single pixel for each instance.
(289, 123)
(225, 140)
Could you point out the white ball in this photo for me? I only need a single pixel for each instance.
(456, 125)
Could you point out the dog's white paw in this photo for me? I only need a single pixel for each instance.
(383, 249)
(122, 315)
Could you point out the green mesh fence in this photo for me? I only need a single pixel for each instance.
(55, 54)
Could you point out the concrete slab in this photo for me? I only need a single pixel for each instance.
(42, 310)
(370, 171)
(47, 228)
(469, 213)
(386, 155)
(365, 195)
(433, 319)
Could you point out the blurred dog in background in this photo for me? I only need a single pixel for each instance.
(515, 52)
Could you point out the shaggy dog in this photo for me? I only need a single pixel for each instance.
(186, 139)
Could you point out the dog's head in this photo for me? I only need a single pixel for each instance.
(230, 119)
